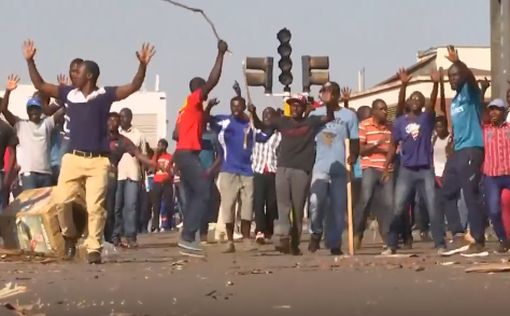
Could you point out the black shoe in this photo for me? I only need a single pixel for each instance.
(69, 248)
(314, 245)
(94, 257)
(284, 246)
(503, 247)
(130, 244)
(295, 251)
(336, 252)
(408, 244)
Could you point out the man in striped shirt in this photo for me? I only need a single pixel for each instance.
(374, 141)
(496, 166)
(264, 160)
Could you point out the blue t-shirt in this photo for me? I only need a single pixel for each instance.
(231, 130)
(88, 117)
(330, 142)
(209, 150)
(466, 113)
(415, 137)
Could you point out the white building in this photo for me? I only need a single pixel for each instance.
(476, 58)
(150, 113)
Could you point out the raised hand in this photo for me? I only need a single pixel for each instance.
(29, 49)
(346, 93)
(222, 46)
(484, 84)
(403, 76)
(252, 108)
(453, 54)
(145, 54)
(237, 88)
(435, 75)
(63, 80)
(213, 102)
(12, 82)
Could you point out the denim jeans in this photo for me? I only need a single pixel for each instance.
(34, 180)
(125, 209)
(463, 172)
(371, 179)
(423, 180)
(493, 187)
(162, 193)
(110, 208)
(196, 189)
(328, 203)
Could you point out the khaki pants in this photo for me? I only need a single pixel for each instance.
(231, 186)
(78, 172)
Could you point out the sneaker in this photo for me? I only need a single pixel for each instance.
(248, 245)
(260, 238)
(503, 247)
(336, 252)
(388, 252)
(231, 248)
(94, 257)
(237, 236)
(179, 226)
(190, 249)
(162, 230)
(295, 251)
(69, 248)
(459, 244)
(407, 244)
(314, 244)
(154, 230)
(475, 250)
(441, 251)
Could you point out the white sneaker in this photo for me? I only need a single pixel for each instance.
(179, 226)
(237, 236)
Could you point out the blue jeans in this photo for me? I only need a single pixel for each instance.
(493, 187)
(423, 180)
(196, 189)
(328, 202)
(463, 172)
(110, 208)
(371, 179)
(34, 180)
(125, 209)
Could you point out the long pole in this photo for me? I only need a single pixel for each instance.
(350, 223)
(248, 97)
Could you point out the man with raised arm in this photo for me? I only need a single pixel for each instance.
(87, 162)
(189, 128)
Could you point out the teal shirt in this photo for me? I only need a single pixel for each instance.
(466, 113)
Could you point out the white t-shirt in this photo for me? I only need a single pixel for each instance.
(34, 145)
(439, 154)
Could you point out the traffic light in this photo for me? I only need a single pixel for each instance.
(285, 63)
(259, 73)
(315, 71)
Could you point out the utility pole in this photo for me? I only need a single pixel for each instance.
(500, 47)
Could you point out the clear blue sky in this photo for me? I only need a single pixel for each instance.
(378, 35)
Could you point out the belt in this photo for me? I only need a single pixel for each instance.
(87, 154)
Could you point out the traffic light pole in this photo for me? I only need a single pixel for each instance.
(500, 47)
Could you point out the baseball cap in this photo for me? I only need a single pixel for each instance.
(499, 103)
(300, 98)
(34, 102)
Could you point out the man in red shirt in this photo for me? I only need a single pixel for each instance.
(189, 127)
(162, 189)
(496, 166)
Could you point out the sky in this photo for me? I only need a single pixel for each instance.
(379, 36)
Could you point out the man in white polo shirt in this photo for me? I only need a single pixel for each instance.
(128, 185)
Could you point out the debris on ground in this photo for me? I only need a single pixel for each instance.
(489, 268)
(11, 289)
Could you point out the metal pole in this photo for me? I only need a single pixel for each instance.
(500, 47)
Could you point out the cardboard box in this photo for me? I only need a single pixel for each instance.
(30, 222)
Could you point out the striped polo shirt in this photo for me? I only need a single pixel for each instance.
(497, 150)
(369, 134)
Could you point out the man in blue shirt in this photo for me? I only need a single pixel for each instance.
(413, 133)
(236, 176)
(87, 164)
(463, 167)
(329, 175)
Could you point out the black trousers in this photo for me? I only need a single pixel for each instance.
(161, 192)
(264, 202)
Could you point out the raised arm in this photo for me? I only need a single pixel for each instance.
(466, 73)
(484, 85)
(49, 89)
(12, 84)
(210, 105)
(214, 76)
(346, 95)
(404, 80)
(257, 123)
(144, 57)
(435, 76)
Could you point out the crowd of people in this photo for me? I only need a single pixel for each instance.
(435, 170)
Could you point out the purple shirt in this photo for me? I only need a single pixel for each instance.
(415, 137)
(88, 117)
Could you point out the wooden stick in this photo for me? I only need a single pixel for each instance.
(248, 99)
(349, 199)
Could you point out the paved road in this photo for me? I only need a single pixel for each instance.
(155, 280)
